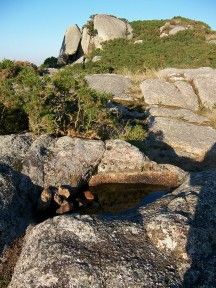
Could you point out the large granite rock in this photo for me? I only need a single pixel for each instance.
(62, 161)
(13, 149)
(161, 92)
(116, 85)
(121, 156)
(98, 29)
(83, 251)
(170, 29)
(109, 27)
(17, 198)
(206, 87)
(70, 44)
(184, 228)
(186, 139)
(86, 42)
(177, 113)
(33, 164)
(180, 134)
(202, 80)
(170, 243)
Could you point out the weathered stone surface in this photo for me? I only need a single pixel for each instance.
(187, 74)
(109, 27)
(114, 84)
(62, 161)
(206, 86)
(202, 80)
(178, 229)
(121, 156)
(161, 178)
(185, 228)
(71, 41)
(85, 251)
(189, 140)
(72, 161)
(33, 164)
(13, 149)
(17, 198)
(177, 29)
(188, 94)
(86, 41)
(181, 114)
(157, 91)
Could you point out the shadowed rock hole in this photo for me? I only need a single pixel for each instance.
(111, 198)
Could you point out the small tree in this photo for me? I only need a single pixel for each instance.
(51, 62)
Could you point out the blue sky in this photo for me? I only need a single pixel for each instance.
(33, 29)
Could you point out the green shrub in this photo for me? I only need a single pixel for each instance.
(133, 133)
(59, 104)
(50, 62)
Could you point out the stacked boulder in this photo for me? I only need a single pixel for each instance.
(98, 29)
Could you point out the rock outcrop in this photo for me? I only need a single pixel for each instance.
(161, 92)
(173, 239)
(109, 27)
(185, 228)
(17, 198)
(178, 131)
(13, 149)
(171, 28)
(63, 161)
(98, 29)
(86, 251)
(70, 45)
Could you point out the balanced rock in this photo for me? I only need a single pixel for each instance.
(109, 27)
(98, 29)
(70, 44)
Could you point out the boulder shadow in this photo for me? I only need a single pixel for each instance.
(201, 240)
(18, 198)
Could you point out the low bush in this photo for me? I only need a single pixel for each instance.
(61, 104)
(50, 62)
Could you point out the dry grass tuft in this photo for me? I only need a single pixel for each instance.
(211, 115)
(137, 78)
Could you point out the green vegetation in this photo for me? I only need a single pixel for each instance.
(90, 26)
(50, 62)
(61, 104)
(4, 282)
(185, 49)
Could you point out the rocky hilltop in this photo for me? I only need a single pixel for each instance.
(107, 166)
(100, 28)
